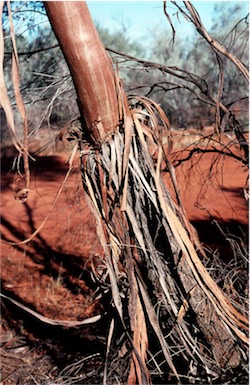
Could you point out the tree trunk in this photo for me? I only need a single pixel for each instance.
(144, 238)
(89, 64)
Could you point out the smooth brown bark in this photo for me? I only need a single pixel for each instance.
(89, 64)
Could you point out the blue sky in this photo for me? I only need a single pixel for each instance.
(142, 17)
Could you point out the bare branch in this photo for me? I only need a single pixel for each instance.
(198, 150)
(194, 17)
(30, 53)
(169, 20)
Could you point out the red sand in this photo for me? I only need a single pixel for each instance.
(49, 272)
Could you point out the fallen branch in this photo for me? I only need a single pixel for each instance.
(50, 321)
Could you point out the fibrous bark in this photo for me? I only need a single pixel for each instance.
(159, 285)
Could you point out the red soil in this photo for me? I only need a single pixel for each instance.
(52, 273)
(212, 192)
(49, 273)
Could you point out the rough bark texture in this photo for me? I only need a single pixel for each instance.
(152, 264)
(89, 64)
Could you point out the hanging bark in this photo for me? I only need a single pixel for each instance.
(146, 238)
(89, 64)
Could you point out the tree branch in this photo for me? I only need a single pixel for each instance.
(30, 53)
(198, 150)
(194, 17)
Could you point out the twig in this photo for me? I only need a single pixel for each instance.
(30, 53)
(49, 321)
(194, 17)
(205, 151)
(169, 20)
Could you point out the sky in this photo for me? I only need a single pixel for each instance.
(143, 17)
